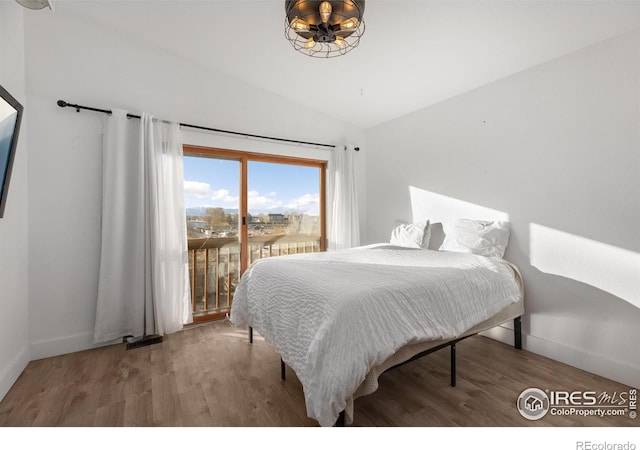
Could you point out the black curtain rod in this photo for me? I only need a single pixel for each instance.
(63, 104)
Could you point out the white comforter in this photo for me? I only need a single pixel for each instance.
(333, 316)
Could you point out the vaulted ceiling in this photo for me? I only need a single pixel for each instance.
(413, 53)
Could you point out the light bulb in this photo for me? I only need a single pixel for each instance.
(299, 25)
(340, 42)
(309, 44)
(325, 11)
(350, 24)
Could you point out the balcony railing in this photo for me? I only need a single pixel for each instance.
(214, 266)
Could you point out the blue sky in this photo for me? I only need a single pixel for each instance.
(272, 187)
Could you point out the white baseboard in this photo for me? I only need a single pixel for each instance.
(615, 370)
(64, 345)
(10, 374)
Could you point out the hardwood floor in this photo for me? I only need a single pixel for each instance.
(210, 376)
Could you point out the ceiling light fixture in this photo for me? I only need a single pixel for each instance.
(324, 29)
(37, 4)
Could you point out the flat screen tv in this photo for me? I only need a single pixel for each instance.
(10, 118)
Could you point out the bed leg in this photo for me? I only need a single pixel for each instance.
(453, 364)
(250, 335)
(517, 333)
(340, 422)
(283, 375)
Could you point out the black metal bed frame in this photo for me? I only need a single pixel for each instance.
(517, 343)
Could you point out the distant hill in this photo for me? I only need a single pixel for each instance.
(202, 210)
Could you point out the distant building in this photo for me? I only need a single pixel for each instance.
(197, 224)
(277, 219)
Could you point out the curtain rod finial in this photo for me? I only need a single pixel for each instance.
(62, 103)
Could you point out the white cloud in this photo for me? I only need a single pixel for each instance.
(203, 190)
(257, 201)
(308, 203)
(223, 194)
(197, 189)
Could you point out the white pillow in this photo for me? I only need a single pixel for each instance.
(479, 237)
(413, 235)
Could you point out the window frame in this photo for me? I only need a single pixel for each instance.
(244, 157)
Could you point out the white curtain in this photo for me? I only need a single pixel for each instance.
(143, 286)
(167, 294)
(344, 226)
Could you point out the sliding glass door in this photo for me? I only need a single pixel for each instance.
(283, 209)
(241, 207)
(212, 200)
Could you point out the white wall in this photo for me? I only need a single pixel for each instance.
(14, 327)
(557, 150)
(86, 63)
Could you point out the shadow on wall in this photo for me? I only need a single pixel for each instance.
(582, 296)
(582, 326)
(438, 208)
(612, 269)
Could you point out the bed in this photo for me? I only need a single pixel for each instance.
(340, 319)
